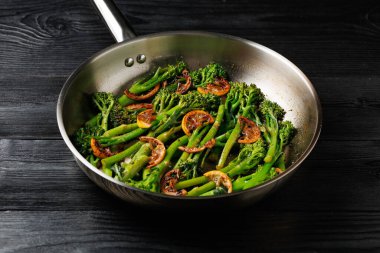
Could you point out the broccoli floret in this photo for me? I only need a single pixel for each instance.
(82, 137)
(104, 101)
(120, 115)
(196, 100)
(268, 107)
(241, 99)
(272, 114)
(206, 75)
(250, 156)
(287, 132)
(281, 134)
(165, 99)
(188, 167)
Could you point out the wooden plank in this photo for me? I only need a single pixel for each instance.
(331, 204)
(141, 231)
(55, 38)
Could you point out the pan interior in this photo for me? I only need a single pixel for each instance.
(245, 61)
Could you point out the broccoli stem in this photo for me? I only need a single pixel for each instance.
(199, 180)
(93, 160)
(256, 178)
(220, 144)
(159, 76)
(272, 149)
(152, 176)
(214, 192)
(191, 182)
(259, 176)
(242, 167)
(170, 153)
(229, 145)
(215, 127)
(131, 170)
(109, 161)
(94, 120)
(194, 139)
(281, 162)
(139, 159)
(197, 191)
(124, 100)
(223, 137)
(213, 130)
(232, 139)
(107, 171)
(238, 184)
(122, 129)
(172, 120)
(109, 141)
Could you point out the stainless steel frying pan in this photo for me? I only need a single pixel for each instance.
(113, 68)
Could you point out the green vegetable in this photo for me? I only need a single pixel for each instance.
(149, 82)
(272, 113)
(151, 180)
(82, 137)
(203, 76)
(141, 158)
(247, 97)
(249, 157)
(247, 165)
(104, 102)
(120, 115)
(287, 132)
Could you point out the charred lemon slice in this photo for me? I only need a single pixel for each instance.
(139, 106)
(220, 178)
(168, 182)
(145, 118)
(184, 87)
(136, 97)
(195, 119)
(250, 132)
(209, 144)
(158, 150)
(219, 88)
(99, 151)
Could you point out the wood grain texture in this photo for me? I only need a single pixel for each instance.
(99, 231)
(331, 204)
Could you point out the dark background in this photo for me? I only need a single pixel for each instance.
(332, 203)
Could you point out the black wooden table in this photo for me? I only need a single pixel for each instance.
(331, 204)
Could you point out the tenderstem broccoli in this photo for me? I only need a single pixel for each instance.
(248, 96)
(152, 176)
(104, 102)
(206, 75)
(286, 133)
(146, 84)
(248, 158)
(140, 159)
(272, 113)
(191, 163)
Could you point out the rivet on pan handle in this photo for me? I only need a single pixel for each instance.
(114, 19)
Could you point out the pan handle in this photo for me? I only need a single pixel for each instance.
(114, 19)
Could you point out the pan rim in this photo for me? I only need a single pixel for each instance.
(300, 74)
